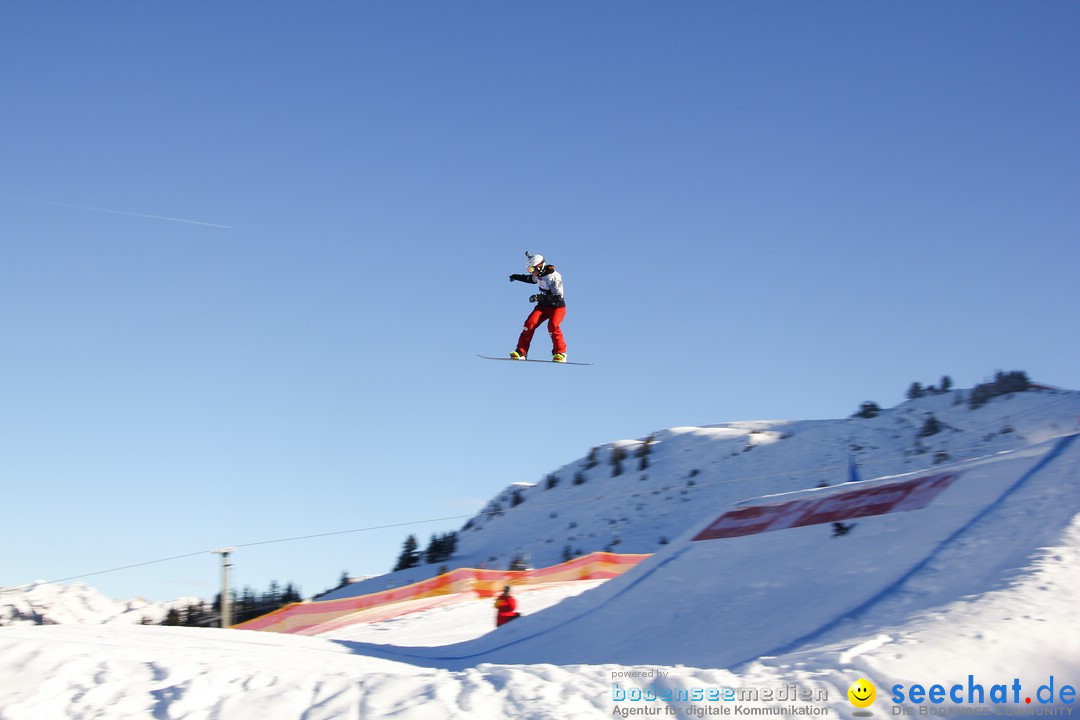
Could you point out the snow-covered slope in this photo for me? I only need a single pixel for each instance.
(690, 472)
(58, 604)
(981, 582)
(693, 470)
(729, 601)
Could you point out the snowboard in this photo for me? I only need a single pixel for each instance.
(550, 362)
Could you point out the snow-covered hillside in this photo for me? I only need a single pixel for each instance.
(977, 586)
(679, 475)
(58, 604)
(693, 470)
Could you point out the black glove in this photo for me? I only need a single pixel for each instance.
(534, 298)
(521, 278)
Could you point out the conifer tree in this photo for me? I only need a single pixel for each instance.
(410, 556)
(932, 426)
(868, 409)
(618, 454)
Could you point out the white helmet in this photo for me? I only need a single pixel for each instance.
(535, 261)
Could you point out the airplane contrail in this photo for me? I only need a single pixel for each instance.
(145, 215)
(127, 212)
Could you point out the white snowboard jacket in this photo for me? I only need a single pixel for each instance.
(551, 286)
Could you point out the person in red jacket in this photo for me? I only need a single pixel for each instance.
(505, 608)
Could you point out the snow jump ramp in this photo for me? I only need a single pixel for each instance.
(770, 576)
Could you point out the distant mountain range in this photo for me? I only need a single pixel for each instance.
(45, 603)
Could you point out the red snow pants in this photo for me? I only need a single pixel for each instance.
(554, 317)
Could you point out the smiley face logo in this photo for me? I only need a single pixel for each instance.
(862, 693)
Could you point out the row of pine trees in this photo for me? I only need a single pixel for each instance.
(439, 549)
(1004, 383)
(246, 605)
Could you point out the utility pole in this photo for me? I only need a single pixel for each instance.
(226, 596)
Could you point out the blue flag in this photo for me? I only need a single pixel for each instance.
(853, 469)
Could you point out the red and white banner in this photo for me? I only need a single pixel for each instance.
(901, 496)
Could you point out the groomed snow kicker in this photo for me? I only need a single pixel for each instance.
(723, 602)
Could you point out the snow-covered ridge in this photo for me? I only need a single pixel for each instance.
(43, 603)
(630, 495)
(635, 496)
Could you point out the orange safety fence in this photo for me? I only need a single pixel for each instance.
(298, 617)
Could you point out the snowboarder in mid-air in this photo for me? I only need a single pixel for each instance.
(550, 306)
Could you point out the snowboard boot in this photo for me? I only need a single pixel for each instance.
(517, 355)
(558, 357)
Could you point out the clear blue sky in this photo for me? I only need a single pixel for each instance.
(250, 250)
